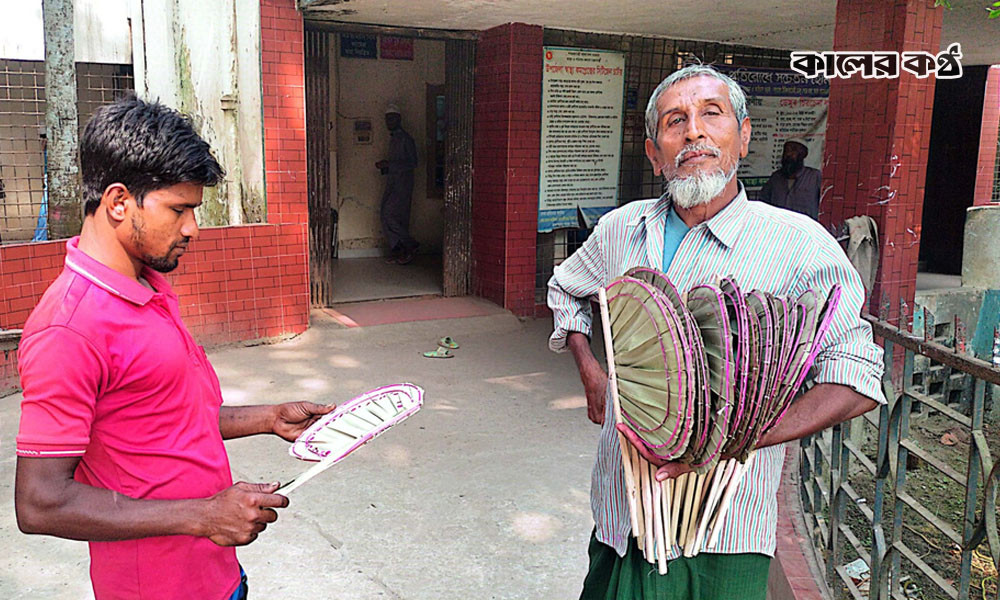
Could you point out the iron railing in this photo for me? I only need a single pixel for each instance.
(913, 517)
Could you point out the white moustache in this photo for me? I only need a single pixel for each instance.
(693, 149)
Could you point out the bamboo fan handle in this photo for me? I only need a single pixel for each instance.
(713, 498)
(647, 509)
(627, 465)
(734, 482)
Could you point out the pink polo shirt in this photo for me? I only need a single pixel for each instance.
(111, 374)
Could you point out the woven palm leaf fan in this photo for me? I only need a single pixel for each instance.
(820, 327)
(707, 305)
(784, 331)
(792, 320)
(761, 314)
(701, 394)
(702, 450)
(751, 400)
(805, 312)
(652, 365)
(352, 425)
(659, 280)
(824, 321)
(740, 330)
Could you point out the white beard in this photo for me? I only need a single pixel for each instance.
(700, 188)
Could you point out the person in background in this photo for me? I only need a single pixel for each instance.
(398, 195)
(794, 186)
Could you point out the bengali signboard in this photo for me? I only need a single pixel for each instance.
(582, 98)
(358, 46)
(396, 48)
(783, 105)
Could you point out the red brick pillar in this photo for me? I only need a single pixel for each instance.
(286, 254)
(986, 169)
(508, 105)
(877, 140)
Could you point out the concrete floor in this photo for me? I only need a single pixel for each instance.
(360, 279)
(937, 281)
(482, 494)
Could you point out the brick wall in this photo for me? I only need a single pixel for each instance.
(235, 283)
(877, 140)
(985, 170)
(508, 104)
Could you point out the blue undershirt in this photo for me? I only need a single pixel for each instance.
(674, 231)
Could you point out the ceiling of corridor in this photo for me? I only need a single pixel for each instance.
(790, 24)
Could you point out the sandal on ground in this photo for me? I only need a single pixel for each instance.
(438, 352)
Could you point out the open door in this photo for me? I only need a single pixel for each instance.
(459, 81)
(322, 217)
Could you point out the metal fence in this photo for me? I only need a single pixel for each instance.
(647, 61)
(22, 136)
(891, 516)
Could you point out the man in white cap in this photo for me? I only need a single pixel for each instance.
(398, 189)
(794, 186)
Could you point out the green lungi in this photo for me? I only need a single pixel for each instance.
(702, 577)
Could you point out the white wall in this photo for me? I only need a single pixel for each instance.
(101, 31)
(366, 86)
(203, 58)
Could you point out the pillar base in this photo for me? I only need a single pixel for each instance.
(981, 253)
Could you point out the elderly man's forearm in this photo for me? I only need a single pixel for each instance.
(823, 406)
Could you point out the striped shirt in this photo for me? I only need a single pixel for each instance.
(762, 248)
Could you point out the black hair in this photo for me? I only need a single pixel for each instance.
(145, 146)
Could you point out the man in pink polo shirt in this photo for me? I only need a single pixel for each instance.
(122, 422)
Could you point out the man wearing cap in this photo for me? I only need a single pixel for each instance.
(398, 194)
(794, 186)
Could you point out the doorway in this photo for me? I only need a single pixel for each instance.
(367, 70)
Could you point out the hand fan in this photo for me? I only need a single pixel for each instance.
(824, 319)
(700, 392)
(708, 308)
(740, 330)
(760, 311)
(352, 425)
(651, 365)
(804, 312)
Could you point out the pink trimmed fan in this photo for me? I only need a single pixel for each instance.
(352, 425)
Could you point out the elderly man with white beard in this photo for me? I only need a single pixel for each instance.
(703, 228)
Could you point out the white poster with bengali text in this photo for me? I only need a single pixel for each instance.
(783, 105)
(582, 97)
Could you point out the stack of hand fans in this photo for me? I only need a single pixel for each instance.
(352, 425)
(699, 379)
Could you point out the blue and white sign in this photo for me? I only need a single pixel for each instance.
(582, 98)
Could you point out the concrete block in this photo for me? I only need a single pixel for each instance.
(981, 252)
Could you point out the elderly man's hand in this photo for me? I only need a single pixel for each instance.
(292, 418)
(665, 469)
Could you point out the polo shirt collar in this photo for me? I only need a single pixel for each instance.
(112, 281)
(725, 226)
